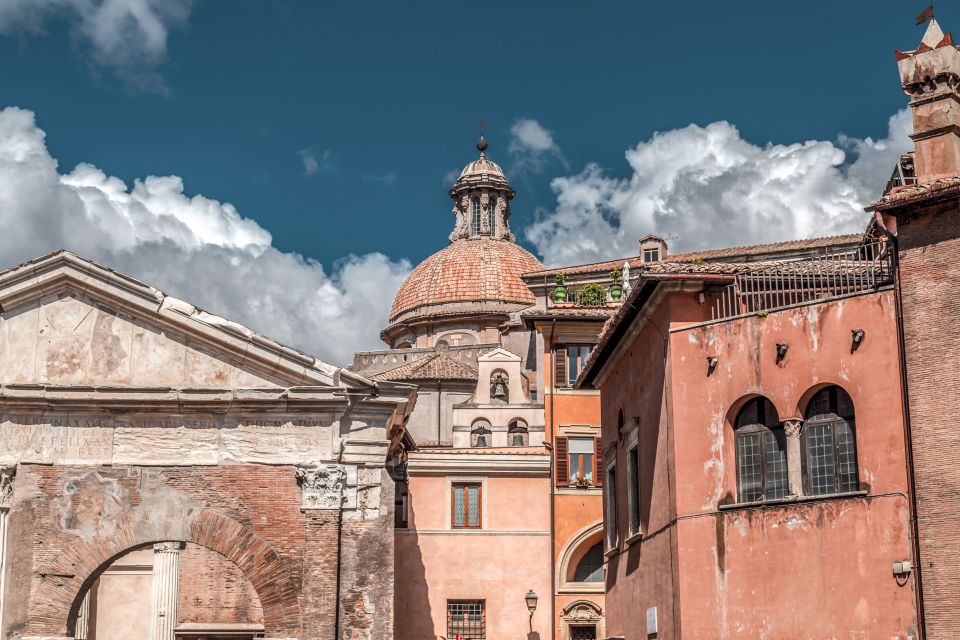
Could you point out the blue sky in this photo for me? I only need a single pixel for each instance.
(335, 126)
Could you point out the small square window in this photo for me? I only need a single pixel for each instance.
(467, 619)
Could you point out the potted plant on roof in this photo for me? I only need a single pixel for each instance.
(616, 286)
(560, 291)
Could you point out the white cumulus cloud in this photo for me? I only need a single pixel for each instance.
(193, 247)
(126, 36)
(706, 187)
(531, 146)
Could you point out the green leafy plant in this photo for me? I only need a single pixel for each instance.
(592, 295)
(699, 261)
(560, 278)
(762, 314)
(616, 276)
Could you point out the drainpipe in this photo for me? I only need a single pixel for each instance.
(549, 375)
(907, 430)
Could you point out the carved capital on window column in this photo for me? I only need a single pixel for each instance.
(792, 428)
(168, 547)
(6, 486)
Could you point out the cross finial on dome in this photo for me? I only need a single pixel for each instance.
(481, 145)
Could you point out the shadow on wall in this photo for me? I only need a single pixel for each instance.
(413, 619)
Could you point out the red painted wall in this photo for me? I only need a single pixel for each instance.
(806, 570)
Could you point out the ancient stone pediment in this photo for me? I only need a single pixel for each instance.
(67, 321)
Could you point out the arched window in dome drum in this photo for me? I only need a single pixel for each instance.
(476, 216)
(491, 218)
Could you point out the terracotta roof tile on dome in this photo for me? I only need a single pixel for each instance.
(439, 366)
(472, 270)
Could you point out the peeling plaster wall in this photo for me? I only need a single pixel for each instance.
(817, 569)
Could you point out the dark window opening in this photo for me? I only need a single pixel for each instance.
(761, 451)
(590, 567)
(466, 619)
(830, 443)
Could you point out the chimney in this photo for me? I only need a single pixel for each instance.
(930, 75)
(653, 248)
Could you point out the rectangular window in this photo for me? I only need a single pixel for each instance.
(611, 506)
(581, 458)
(466, 619)
(465, 505)
(633, 488)
(568, 362)
(651, 255)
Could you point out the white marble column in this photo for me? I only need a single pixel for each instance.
(792, 429)
(166, 590)
(82, 630)
(6, 499)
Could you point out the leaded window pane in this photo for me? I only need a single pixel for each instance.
(476, 216)
(847, 479)
(459, 506)
(776, 480)
(749, 469)
(590, 567)
(821, 469)
(473, 505)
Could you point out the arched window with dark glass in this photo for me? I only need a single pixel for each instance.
(830, 444)
(476, 216)
(761, 453)
(590, 567)
(491, 217)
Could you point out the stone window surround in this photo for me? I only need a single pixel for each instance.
(584, 536)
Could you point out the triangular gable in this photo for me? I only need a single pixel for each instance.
(67, 320)
(499, 355)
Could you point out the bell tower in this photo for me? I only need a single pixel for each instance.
(930, 75)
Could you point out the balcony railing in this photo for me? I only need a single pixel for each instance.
(783, 284)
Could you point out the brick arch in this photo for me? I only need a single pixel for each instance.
(60, 593)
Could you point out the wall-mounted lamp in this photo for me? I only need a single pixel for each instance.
(711, 364)
(858, 335)
(782, 351)
(531, 599)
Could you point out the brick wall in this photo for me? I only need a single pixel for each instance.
(70, 522)
(930, 284)
(214, 590)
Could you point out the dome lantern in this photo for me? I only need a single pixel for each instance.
(481, 200)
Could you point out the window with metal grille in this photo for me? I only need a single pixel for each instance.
(583, 632)
(761, 450)
(466, 505)
(830, 443)
(468, 618)
(476, 216)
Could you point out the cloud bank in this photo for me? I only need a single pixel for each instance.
(193, 247)
(703, 187)
(128, 37)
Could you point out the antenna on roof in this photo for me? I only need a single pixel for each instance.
(923, 16)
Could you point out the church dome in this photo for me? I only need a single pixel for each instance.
(470, 275)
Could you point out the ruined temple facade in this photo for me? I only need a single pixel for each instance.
(170, 474)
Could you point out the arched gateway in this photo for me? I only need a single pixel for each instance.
(246, 487)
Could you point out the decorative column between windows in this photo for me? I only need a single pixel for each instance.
(166, 590)
(792, 429)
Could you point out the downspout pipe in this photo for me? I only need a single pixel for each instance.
(907, 429)
(549, 375)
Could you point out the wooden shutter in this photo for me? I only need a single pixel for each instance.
(560, 366)
(562, 460)
(599, 471)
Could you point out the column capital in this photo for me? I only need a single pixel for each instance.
(792, 427)
(6, 486)
(168, 547)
